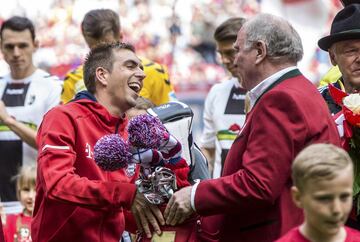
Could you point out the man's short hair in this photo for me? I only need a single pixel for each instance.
(319, 162)
(18, 23)
(101, 56)
(281, 39)
(98, 22)
(228, 30)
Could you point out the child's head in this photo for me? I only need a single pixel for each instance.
(25, 187)
(323, 179)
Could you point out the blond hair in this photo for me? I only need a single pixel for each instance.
(319, 161)
(25, 178)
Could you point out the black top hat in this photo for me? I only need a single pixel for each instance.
(346, 26)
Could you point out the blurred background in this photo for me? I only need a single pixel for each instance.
(176, 33)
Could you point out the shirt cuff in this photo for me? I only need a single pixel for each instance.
(192, 196)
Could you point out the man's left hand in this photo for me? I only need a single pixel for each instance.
(179, 207)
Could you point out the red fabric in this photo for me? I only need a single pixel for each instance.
(181, 170)
(10, 228)
(294, 235)
(75, 199)
(353, 119)
(2, 239)
(185, 232)
(337, 94)
(252, 198)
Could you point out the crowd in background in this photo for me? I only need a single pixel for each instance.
(175, 33)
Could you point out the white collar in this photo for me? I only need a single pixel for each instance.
(260, 88)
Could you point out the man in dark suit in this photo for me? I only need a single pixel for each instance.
(251, 201)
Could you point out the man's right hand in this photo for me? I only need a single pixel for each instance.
(145, 214)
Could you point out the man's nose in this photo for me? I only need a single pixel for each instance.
(140, 73)
(16, 51)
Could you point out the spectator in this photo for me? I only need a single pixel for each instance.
(323, 175)
(103, 25)
(343, 45)
(27, 93)
(251, 201)
(71, 189)
(224, 111)
(17, 226)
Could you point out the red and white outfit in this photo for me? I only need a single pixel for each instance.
(75, 199)
(17, 228)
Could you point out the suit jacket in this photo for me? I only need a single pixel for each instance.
(252, 200)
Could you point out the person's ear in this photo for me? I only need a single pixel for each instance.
(36, 44)
(296, 196)
(332, 56)
(102, 75)
(261, 51)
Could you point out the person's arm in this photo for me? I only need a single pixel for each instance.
(208, 137)
(56, 169)
(270, 148)
(210, 156)
(26, 134)
(266, 163)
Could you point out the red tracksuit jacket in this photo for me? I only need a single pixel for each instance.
(76, 200)
(252, 198)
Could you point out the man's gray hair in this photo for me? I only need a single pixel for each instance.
(281, 39)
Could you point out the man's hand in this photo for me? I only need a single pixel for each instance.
(145, 213)
(179, 207)
(4, 116)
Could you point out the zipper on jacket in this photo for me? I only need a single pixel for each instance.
(117, 127)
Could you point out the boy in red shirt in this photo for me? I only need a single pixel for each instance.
(323, 179)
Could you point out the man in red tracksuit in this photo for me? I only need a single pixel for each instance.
(251, 201)
(76, 200)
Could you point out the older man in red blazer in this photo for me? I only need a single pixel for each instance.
(251, 201)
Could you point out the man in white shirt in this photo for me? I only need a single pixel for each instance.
(27, 93)
(224, 111)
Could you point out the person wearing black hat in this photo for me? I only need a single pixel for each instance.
(334, 74)
(343, 45)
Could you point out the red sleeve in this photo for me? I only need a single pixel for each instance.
(56, 172)
(278, 129)
(181, 170)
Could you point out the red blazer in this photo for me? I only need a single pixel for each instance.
(252, 198)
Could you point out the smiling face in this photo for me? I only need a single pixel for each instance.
(326, 203)
(125, 81)
(346, 54)
(18, 48)
(27, 198)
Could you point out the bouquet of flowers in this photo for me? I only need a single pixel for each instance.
(162, 170)
(348, 121)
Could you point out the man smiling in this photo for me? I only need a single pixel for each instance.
(71, 189)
